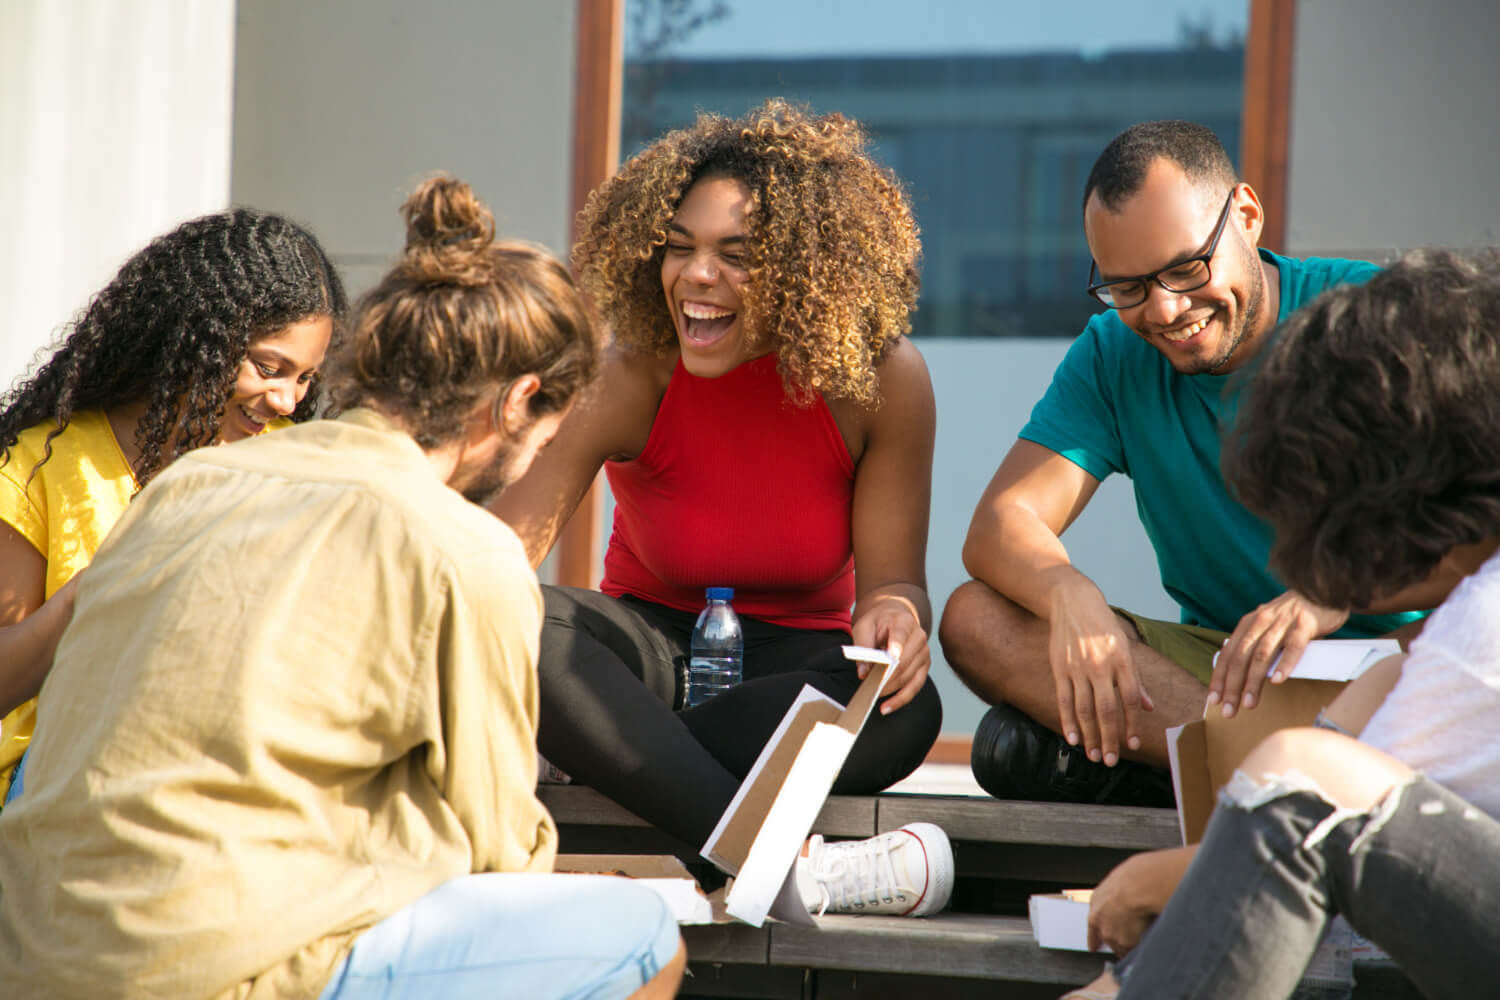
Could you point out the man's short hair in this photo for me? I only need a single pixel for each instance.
(1120, 170)
(1369, 434)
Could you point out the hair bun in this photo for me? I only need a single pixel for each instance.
(444, 212)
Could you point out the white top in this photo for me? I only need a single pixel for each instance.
(1441, 717)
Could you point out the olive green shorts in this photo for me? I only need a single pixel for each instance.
(1191, 647)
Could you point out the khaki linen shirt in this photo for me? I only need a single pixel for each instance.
(299, 692)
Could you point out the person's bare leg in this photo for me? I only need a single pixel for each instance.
(999, 649)
(1102, 988)
(665, 983)
(1348, 773)
(1350, 712)
(1311, 824)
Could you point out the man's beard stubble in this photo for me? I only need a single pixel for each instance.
(1249, 319)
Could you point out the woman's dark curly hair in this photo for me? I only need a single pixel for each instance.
(460, 315)
(1369, 433)
(832, 247)
(171, 329)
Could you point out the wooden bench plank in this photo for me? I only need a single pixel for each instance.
(848, 816)
(841, 984)
(1065, 825)
(729, 943)
(952, 944)
(714, 980)
(1069, 867)
(576, 805)
(1029, 840)
(963, 817)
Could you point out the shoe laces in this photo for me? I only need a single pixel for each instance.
(856, 873)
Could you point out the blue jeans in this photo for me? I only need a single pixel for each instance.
(1418, 874)
(513, 935)
(15, 780)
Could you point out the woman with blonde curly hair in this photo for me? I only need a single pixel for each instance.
(765, 424)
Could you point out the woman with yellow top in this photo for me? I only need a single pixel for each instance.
(212, 333)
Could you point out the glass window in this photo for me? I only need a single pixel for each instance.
(991, 113)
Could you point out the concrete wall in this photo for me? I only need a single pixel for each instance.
(341, 106)
(1395, 127)
(114, 127)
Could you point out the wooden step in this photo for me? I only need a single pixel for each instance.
(963, 817)
(965, 945)
(955, 955)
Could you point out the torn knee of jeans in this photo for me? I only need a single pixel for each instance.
(1383, 810)
(1248, 794)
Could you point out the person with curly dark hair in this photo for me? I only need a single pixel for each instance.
(1368, 436)
(213, 333)
(288, 748)
(765, 424)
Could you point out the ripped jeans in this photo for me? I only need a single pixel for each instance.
(1419, 874)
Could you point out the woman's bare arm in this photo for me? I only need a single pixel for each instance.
(29, 627)
(611, 420)
(892, 502)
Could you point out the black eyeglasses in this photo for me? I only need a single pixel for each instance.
(1181, 276)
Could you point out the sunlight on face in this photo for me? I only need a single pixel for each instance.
(703, 275)
(274, 376)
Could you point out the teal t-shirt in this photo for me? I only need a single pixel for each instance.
(1117, 405)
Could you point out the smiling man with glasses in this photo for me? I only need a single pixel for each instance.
(1079, 685)
(1186, 275)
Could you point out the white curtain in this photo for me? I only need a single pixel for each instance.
(115, 125)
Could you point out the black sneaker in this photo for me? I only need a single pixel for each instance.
(1016, 757)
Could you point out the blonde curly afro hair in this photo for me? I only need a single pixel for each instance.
(832, 248)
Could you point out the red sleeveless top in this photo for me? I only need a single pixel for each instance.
(739, 487)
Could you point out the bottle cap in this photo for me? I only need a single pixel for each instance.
(720, 593)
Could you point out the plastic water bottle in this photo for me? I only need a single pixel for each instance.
(717, 655)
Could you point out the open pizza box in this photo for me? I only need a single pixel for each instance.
(1061, 919)
(761, 834)
(662, 873)
(1205, 754)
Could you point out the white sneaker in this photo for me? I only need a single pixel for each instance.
(548, 773)
(907, 872)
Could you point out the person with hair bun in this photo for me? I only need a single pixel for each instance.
(212, 333)
(287, 745)
(765, 424)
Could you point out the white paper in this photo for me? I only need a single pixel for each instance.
(766, 880)
(1059, 922)
(1341, 659)
(774, 853)
(807, 694)
(868, 654)
(1175, 763)
(1338, 659)
(683, 898)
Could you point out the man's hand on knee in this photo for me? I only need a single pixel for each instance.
(1099, 695)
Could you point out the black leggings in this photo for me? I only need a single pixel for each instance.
(612, 674)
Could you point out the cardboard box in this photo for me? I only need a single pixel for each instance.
(761, 834)
(662, 873)
(1204, 754)
(1061, 919)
